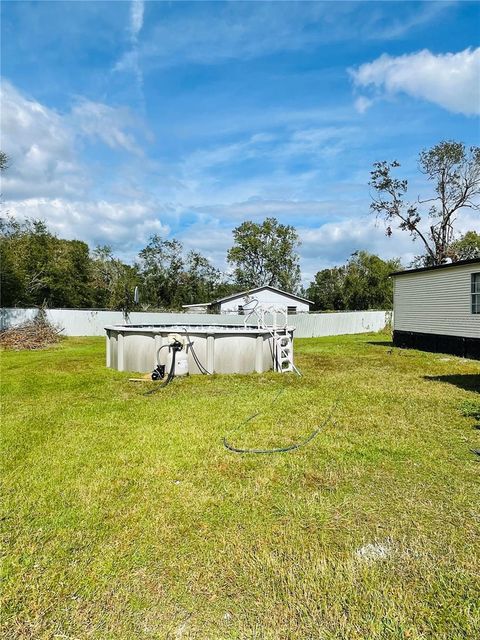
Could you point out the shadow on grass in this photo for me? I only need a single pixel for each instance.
(467, 381)
(381, 343)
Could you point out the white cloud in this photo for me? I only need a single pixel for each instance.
(362, 103)
(258, 208)
(321, 247)
(130, 62)
(109, 124)
(318, 142)
(215, 32)
(450, 80)
(124, 225)
(210, 194)
(413, 16)
(43, 144)
(223, 31)
(41, 147)
(265, 162)
(210, 238)
(47, 179)
(136, 18)
(332, 243)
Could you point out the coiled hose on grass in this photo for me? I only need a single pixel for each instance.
(285, 449)
(226, 443)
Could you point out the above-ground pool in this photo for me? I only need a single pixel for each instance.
(219, 348)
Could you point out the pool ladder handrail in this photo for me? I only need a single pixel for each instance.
(282, 343)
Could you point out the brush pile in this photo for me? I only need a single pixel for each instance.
(33, 334)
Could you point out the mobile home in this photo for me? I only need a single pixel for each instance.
(438, 308)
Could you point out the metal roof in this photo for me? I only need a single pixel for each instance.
(242, 294)
(447, 265)
(197, 304)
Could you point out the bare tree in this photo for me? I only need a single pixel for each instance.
(4, 161)
(455, 172)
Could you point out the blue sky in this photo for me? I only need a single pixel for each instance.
(125, 119)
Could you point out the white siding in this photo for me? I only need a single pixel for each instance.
(437, 302)
(196, 308)
(265, 296)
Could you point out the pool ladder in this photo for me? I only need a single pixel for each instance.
(283, 352)
(282, 342)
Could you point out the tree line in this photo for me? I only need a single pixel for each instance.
(38, 268)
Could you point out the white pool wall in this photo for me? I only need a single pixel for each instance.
(220, 349)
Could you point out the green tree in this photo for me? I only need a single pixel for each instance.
(200, 280)
(454, 172)
(39, 268)
(26, 248)
(367, 283)
(68, 274)
(363, 283)
(169, 278)
(11, 283)
(161, 265)
(327, 289)
(265, 254)
(465, 247)
(112, 282)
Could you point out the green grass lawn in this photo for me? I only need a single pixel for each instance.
(125, 517)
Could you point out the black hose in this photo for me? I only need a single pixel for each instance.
(203, 370)
(291, 447)
(159, 349)
(170, 376)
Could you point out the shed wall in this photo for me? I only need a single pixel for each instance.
(437, 302)
(265, 297)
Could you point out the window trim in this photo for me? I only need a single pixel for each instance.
(475, 293)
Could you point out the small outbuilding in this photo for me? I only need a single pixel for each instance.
(438, 308)
(266, 295)
(240, 303)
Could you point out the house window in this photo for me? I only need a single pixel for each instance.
(475, 292)
(291, 311)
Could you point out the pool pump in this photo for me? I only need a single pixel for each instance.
(177, 362)
(159, 372)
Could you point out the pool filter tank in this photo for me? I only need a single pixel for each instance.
(177, 350)
(181, 363)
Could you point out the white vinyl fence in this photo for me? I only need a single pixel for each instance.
(88, 322)
(314, 325)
